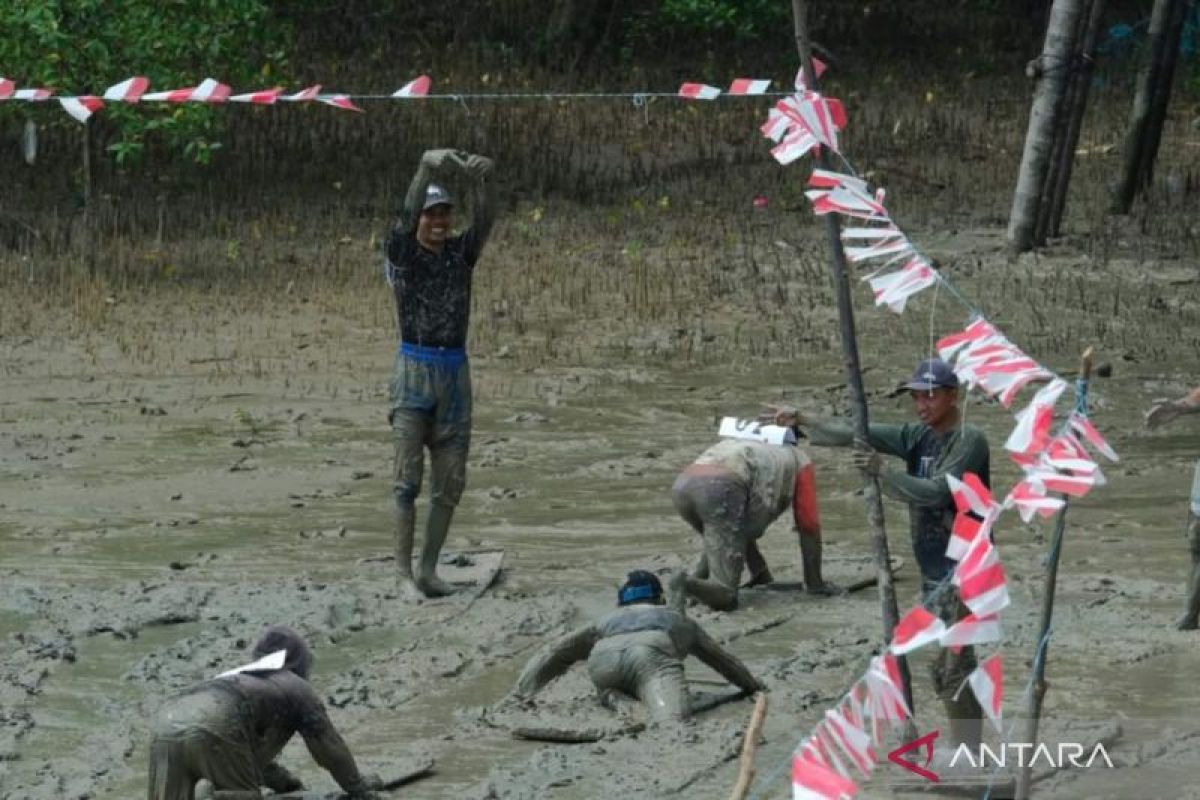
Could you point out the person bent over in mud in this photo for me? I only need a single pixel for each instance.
(230, 730)
(637, 651)
(1162, 412)
(729, 495)
(940, 444)
(430, 272)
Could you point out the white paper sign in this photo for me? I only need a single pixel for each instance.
(265, 664)
(755, 431)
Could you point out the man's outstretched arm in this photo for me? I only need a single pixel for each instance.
(556, 659)
(1164, 410)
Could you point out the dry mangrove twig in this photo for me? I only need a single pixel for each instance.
(749, 748)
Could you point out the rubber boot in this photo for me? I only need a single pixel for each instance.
(406, 523)
(436, 529)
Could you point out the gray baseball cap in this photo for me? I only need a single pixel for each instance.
(932, 373)
(436, 196)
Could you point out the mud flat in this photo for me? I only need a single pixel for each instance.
(161, 502)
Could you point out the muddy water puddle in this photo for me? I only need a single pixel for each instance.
(235, 511)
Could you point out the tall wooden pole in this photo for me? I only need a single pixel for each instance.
(1033, 715)
(854, 381)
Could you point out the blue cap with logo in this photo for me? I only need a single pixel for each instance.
(932, 373)
(436, 196)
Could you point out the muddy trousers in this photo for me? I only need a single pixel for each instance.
(647, 673)
(1191, 609)
(179, 761)
(722, 510)
(950, 671)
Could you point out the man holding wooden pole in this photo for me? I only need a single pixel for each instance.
(940, 444)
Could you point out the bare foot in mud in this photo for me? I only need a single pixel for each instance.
(433, 586)
(1186, 623)
(409, 590)
(763, 578)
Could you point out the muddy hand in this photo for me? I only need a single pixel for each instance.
(1162, 412)
(478, 167)
(784, 415)
(868, 460)
(436, 159)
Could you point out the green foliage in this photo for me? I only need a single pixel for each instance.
(85, 46)
(743, 19)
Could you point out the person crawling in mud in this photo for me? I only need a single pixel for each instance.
(637, 652)
(729, 495)
(429, 270)
(1162, 412)
(230, 730)
(940, 444)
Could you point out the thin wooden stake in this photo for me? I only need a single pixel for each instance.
(854, 381)
(1034, 712)
(749, 748)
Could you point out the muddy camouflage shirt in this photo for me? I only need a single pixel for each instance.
(433, 290)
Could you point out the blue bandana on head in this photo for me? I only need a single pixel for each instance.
(631, 594)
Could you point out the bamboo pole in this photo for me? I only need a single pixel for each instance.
(749, 748)
(854, 381)
(1034, 712)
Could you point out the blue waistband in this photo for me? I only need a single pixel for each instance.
(445, 356)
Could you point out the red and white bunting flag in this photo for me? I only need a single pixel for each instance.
(1054, 481)
(987, 682)
(948, 346)
(819, 68)
(887, 694)
(888, 242)
(209, 91)
(1004, 377)
(801, 122)
(970, 494)
(894, 289)
(812, 780)
(829, 750)
(977, 512)
(129, 90)
(1030, 499)
(973, 629)
(1085, 428)
(34, 95)
(304, 95)
(981, 353)
(699, 91)
(834, 193)
(980, 578)
(417, 87)
(1032, 433)
(749, 86)
(828, 179)
(339, 101)
(7, 88)
(265, 97)
(81, 108)
(917, 629)
(853, 741)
